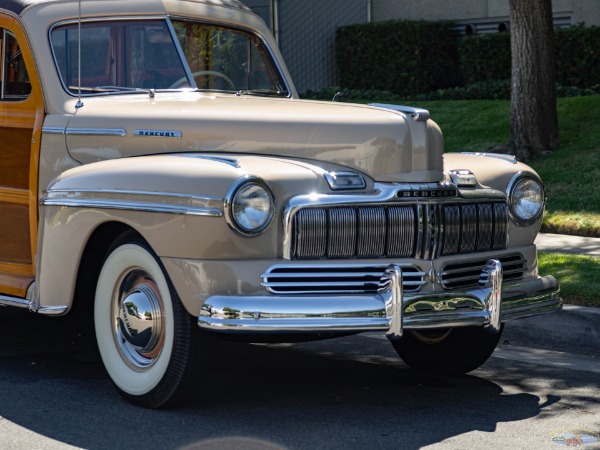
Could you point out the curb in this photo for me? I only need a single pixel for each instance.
(574, 328)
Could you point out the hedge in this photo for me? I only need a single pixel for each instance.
(414, 57)
(399, 56)
(578, 56)
(485, 57)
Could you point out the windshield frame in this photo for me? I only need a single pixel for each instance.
(270, 60)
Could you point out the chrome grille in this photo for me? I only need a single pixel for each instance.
(336, 279)
(466, 274)
(423, 231)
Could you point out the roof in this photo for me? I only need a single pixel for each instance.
(17, 6)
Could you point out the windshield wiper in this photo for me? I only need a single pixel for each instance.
(262, 92)
(120, 89)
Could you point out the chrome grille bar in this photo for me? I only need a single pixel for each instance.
(422, 231)
(336, 279)
(371, 232)
(311, 233)
(400, 236)
(342, 232)
(500, 238)
(467, 274)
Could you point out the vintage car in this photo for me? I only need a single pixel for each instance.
(159, 170)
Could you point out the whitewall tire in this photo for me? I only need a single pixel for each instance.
(151, 347)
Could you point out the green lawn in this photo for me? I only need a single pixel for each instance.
(578, 276)
(570, 173)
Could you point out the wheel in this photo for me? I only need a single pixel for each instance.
(447, 352)
(151, 347)
(204, 73)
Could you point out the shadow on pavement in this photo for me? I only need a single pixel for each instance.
(346, 393)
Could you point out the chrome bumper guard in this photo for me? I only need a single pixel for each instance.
(389, 310)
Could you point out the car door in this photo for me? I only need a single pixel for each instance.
(21, 116)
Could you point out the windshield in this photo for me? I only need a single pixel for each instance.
(129, 55)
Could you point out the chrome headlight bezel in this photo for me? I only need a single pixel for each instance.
(244, 186)
(516, 183)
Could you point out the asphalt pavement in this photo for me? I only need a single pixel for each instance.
(575, 328)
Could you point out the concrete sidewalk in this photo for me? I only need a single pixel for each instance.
(562, 243)
(574, 328)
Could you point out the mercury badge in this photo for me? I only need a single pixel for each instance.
(158, 133)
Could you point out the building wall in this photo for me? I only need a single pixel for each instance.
(587, 11)
(306, 35)
(262, 8)
(306, 28)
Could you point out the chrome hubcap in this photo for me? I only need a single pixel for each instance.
(139, 319)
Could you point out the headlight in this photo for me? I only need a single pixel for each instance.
(249, 206)
(526, 198)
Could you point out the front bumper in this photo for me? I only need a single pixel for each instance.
(389, 310)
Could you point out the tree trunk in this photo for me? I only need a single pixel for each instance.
(533, 116)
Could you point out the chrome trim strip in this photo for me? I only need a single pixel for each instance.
(358, 313)
(72, 193)
(17, 302)
(54, 130)
(222, 159)
(161, 202)
(130, 206)
(418, 114)
(52, 310)
(509, 158)
(96, 132)
(421, 232)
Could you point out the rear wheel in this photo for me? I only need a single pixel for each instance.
(447, 352)
(151, 347)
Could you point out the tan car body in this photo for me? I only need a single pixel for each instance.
(90, 169)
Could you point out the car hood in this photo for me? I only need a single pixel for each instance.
(386, 145)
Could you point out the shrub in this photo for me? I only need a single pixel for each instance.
(485, 57)
(403, 57)
(427, 60)
(485, 90)
(578, 56)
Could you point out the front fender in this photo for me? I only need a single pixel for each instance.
(176, 202)
(495, 171)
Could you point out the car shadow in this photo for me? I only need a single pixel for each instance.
(351, 392)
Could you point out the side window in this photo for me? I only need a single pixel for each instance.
(96, 41)
(14, 81)
(117, 56)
